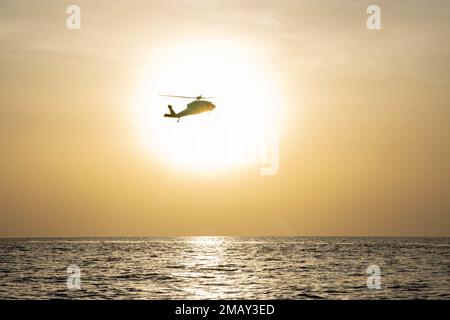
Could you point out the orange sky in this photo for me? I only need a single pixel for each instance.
(364, 136)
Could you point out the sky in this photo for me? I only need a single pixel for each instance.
(363, 118)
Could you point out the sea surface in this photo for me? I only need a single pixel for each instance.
(224, 268)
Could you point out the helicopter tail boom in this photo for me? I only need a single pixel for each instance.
(172, 113)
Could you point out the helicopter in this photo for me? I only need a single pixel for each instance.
(199, 105)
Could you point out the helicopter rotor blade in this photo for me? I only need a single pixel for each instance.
(181, 97)
(186, 97)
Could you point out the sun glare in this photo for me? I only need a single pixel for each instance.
(247, 98)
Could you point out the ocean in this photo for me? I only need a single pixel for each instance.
(225, 268)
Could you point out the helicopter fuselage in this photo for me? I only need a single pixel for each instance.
(195, 107)
(199, 105)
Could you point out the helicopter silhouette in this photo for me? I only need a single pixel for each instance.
(199, 105)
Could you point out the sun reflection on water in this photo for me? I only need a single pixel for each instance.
(203, 260)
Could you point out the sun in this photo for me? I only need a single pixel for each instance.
(247, 97)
